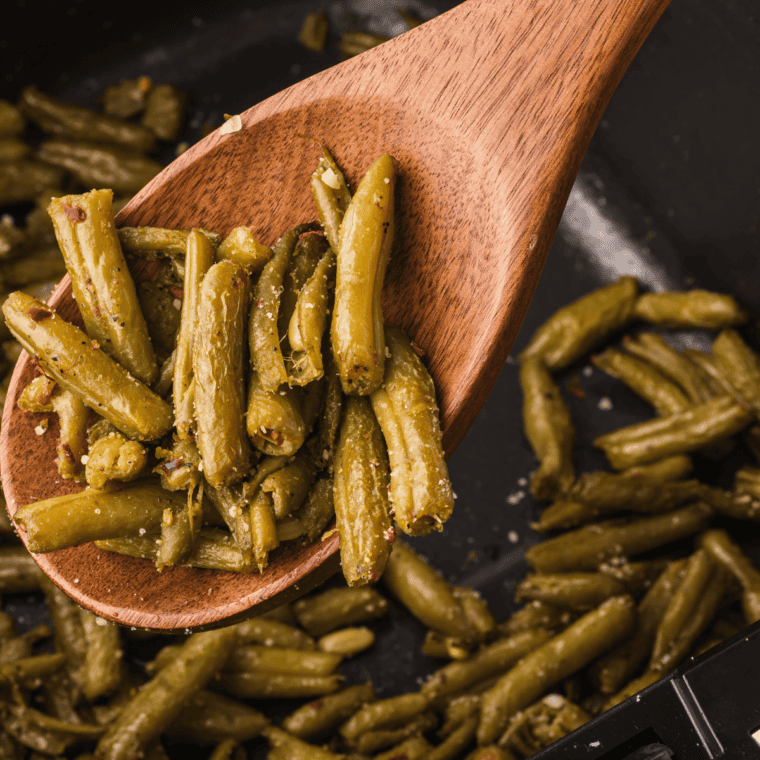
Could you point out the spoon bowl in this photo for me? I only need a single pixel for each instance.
(488, 110)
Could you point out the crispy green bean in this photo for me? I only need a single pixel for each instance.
(78, 123)
(219, 395)
(308, 321)
(113, 457)
(242, 247)
(555, 660)
(579, 591)
(740, 365)
(101, 672)
(318, 509)
(95, 165)
(160, 701)
(24, 180)
(101, 282)
(338, 607)
(691, 430)
(199, 258)
(489, 662)
(620, 664)
(588, 547)
(67, 354)
(209, 717)
(579, 326)
(366, 239)
(643, 379)
(347, 641)
(659, 353)
(164, 112)
(689, 310)
(405, 406)
(75, 519)
(331, 196)
(548, 427)
(724, 551)
(425, 593)
(251, 684)
(362, 506)
(253, 657)
(263, 335)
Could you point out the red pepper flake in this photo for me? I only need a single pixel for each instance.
(38, 314)
(417, 350)
(177, 292)
(317, 704)
(74, 213)
(66, 454)
(273, 436)
(390, 535)
(576, 391)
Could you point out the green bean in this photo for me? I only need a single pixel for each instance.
(455, 743)
(78, 123)
(100, 165)
(691, 430)
(180, 526)
(415, 748)
(29, 670)
(356, 42)
(362, 507)
(308, 321)
(489, 662)
(331, 197)
(314, 719)
(274, 633)
(250, 684)
(289, 747)
(67, 354)
(12, 149)
(405, 406)
(724, 551)
(347, 641)
(643, 379)
(555, 660)
(535, 615)
(18, 571)
(740, 365)
(22, 181)
(113, 457)
(11, 237)
(263, 336)
(41, 263)
(384, 714)
(425, 593)
(313, 34)
(663, 470)
(329, 421)
(161, 309)
(599, 493)
(366, 238)
(101, 282)
(20, 647)
(588, 547)
(178, 466)
(689, 310)
(318, 509)
(578, 591)
(634, 687)
(150, 239)
(219, 395)
(233, 505)
(289, 486)
(164, 381)
(160, 701)
(372, 741)
(616, 667)
(224, 750)
(476, 610)
(741, 506)
(253, 658)
(576, 328)
(263, 529)
(101, 672)
(127, 98)
(199, 259)
(211, 717)
(75, 519)
(11, 119)
(491, 753)
(444, 647)
(338, 607)
(710, 599)
(164, 112)
(274, 421)
(674, 365)
(242, 247)
(548, 427)
(636, 576)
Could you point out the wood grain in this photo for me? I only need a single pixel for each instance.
(488, 109)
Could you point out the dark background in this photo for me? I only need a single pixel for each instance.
(669, 190)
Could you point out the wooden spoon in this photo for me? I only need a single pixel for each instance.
(489, 109)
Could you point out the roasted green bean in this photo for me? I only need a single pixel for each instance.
(689, 310)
